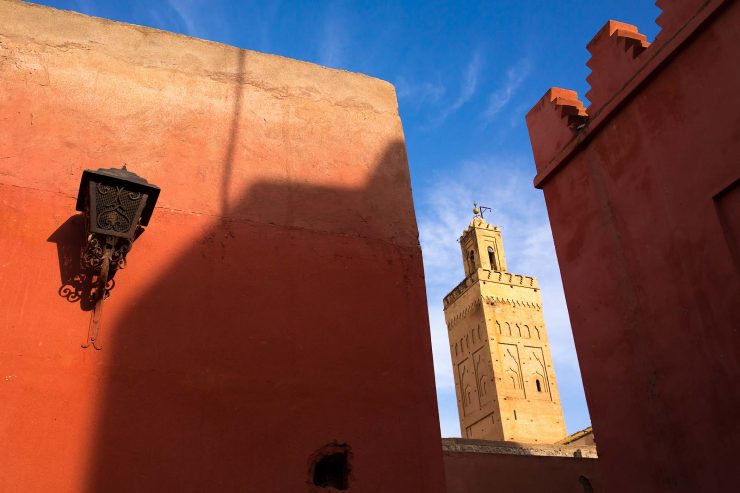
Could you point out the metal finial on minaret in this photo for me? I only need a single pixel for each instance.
(478, 210)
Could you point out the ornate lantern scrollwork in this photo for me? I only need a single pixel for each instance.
(118, 205)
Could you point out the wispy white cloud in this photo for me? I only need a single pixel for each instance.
(186, 11)
(332, 45)
(267, 19)
(513, 80)
(467, 90)
(197, 18)
(517, 115)
(84, 7)
(419, 93)
(445, 208)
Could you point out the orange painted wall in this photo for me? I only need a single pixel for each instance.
(275, 304)
(644, 201)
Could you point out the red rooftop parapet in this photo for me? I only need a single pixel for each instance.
(621, 61)
(675, 14)
(644, 206)
(552, 123)
(614, 60)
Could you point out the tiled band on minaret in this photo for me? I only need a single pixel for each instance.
(504, 377)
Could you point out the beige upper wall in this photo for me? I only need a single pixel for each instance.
(154, 48)
(174, 108)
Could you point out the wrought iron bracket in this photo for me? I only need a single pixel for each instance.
(103, 256)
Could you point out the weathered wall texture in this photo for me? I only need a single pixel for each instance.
(479, 466)
(274, 305)
(643, 193)
(504, 377)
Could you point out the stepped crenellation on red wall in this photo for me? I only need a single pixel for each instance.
(553, 122)
(675, 14)
(615, 57)
(621, 58)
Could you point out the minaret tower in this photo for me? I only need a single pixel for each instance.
(504, 378)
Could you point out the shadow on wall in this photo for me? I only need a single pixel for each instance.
(267, 340)
(76, 281)
(260, 345)
(79, 281)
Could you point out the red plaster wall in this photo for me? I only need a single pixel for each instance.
(645, 216)
(274, 305)
(468, 472)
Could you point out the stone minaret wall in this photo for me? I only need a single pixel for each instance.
(504, 377)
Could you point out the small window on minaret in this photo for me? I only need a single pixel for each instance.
(471, 261)
(539, 387)
(490, 259)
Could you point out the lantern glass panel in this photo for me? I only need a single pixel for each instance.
(114, 209)
(117, 201)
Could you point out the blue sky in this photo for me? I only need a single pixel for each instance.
(465, 73)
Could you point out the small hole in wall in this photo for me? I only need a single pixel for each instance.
(539, 388)
(330, 467)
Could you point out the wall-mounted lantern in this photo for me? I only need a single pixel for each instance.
(117, 204)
